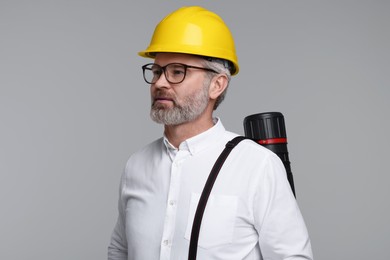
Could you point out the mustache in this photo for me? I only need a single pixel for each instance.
(163, 95)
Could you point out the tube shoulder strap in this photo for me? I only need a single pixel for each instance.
(206, 193)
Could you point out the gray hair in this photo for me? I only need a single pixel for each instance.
(221, 67)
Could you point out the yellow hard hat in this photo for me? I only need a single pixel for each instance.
(193, 30)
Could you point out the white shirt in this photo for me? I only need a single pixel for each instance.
(251, 213)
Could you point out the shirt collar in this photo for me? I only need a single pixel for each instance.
(199, 142)
(171, 150)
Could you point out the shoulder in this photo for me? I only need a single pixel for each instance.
(250, 153)
(148, 151)
(155, 145)
(251, 147)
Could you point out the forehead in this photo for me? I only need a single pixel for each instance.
(167, 57)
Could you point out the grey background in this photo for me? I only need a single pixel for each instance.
(73, 107)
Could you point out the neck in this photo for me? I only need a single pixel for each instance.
(176, 134)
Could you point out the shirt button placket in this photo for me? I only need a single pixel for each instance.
(165, 250)
(170, 217)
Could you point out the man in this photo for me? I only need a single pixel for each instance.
(251, 212)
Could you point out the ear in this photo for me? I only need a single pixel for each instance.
(217, 86)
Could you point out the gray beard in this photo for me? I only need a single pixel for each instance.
(192, 107)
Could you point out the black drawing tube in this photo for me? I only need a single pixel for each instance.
(269, 130)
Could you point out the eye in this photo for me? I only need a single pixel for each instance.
(177, 70)
(156, 71)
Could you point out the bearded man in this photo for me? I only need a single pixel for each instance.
(251, 212)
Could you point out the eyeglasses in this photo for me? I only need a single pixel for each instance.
(175, 73)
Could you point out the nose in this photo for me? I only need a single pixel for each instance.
(162, 81)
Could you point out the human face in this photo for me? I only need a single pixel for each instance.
(175, 104)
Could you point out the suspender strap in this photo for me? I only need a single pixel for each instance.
(206, 193)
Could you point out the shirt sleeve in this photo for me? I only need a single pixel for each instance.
(278, 220)
(117, 249)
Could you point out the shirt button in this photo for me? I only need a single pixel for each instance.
(165, 242)
(171, 202)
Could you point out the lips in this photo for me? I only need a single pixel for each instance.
(163, 98)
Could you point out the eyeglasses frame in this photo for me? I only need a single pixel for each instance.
(163, 68)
